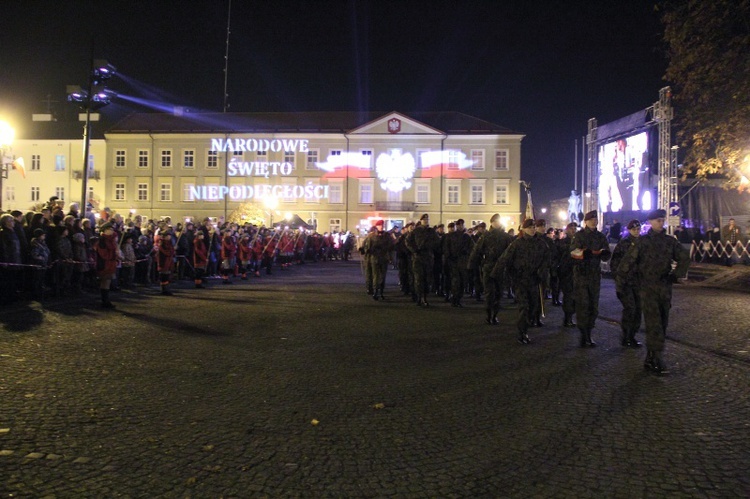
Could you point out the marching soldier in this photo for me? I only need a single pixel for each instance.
(659, 260)
(422, 242)
(541, 234)
(200, 258)
(484, 256)
(165, 258)
(458, 246)
(377, 249)
(565, 274)
(526, 260)
(627, 288)
(589, 248)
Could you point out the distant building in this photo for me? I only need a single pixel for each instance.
(338, 170)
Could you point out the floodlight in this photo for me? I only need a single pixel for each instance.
(103, 70)
(76, 94)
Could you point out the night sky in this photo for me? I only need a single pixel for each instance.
(539, 67)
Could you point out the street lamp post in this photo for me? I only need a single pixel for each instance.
(93, 98)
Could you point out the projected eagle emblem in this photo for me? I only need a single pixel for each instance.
(394, 125)
(395, 171)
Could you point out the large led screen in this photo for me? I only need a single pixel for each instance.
(625, 182)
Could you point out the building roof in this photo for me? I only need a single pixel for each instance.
(448, 122)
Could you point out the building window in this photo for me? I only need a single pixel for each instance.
(477, 193)
(501, 193)
(367, 153)
(501, 159)
(10, 193)
(453, 160)
(36, 162)
(420, 152)
(261, 155)
(474, 223)
(477, 159)
(120, 191)
(453, 193)
(334, 224)
(142, 192)
(166, 158)
(312, 158)
(120, 158)
(290, 197)
(35, 193)
(289, 157)
(188, 158)
(60, 193)
(91, 193)
(91, 164)
(143, 158)
(365, 192)
(165, 192)
(335, 193)
(212, 161)
(422, 192)
(60, 163)
(187, 194)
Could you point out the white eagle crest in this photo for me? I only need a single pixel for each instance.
(395, 170)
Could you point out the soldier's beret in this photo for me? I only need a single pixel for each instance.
(590, 215)
(572, 225)
(380, 222)
(633, 224)
(529, 222)
(540, 222)
(425, 217)
(657, 214)
(106, 226)
(460, 221)
(38, 232)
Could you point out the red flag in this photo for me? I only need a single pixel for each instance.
(18, 164)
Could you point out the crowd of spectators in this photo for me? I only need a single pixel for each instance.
(52, 252)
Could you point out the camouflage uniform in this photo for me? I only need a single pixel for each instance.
(536, 312)
(377, 249)
(458, 245)
(565, 276)
(484, 256)
(587, 277)
(628, 292)
(421, 242)
(651, 259)
(527, 260)
(404, 263)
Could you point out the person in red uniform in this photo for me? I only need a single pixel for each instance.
(243, 252)
(165, 258)
(257, 251)
(269, 251)
(107, 257)
(200, 258)
(286, 249)
(228, 256)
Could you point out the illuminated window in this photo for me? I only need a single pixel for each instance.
(477, 192)
(166, 158)
(120, 158)
(474, 223)
(422, 191)
(289, 157)
(60, 163)
(187, 194)
(290, 197)
(10, 193)
(453, 192)
(143, 158)
(501, 192)
(91, 164)
(261, 156)
(501, 159)
(120, 191)
(419, 157)
(36, 162)
(91, 193)
(365, 191)
(165, 192)
(335, 193)
(368, 154)
(312, 158)
(212, 161)
(334, 225)
(453, 159)
(142, 192)
(188, 158)
(35, 193)
(60, 193)
(477, 159)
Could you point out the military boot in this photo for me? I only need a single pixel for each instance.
(105, 299)
(568, 321)
(632, 342)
